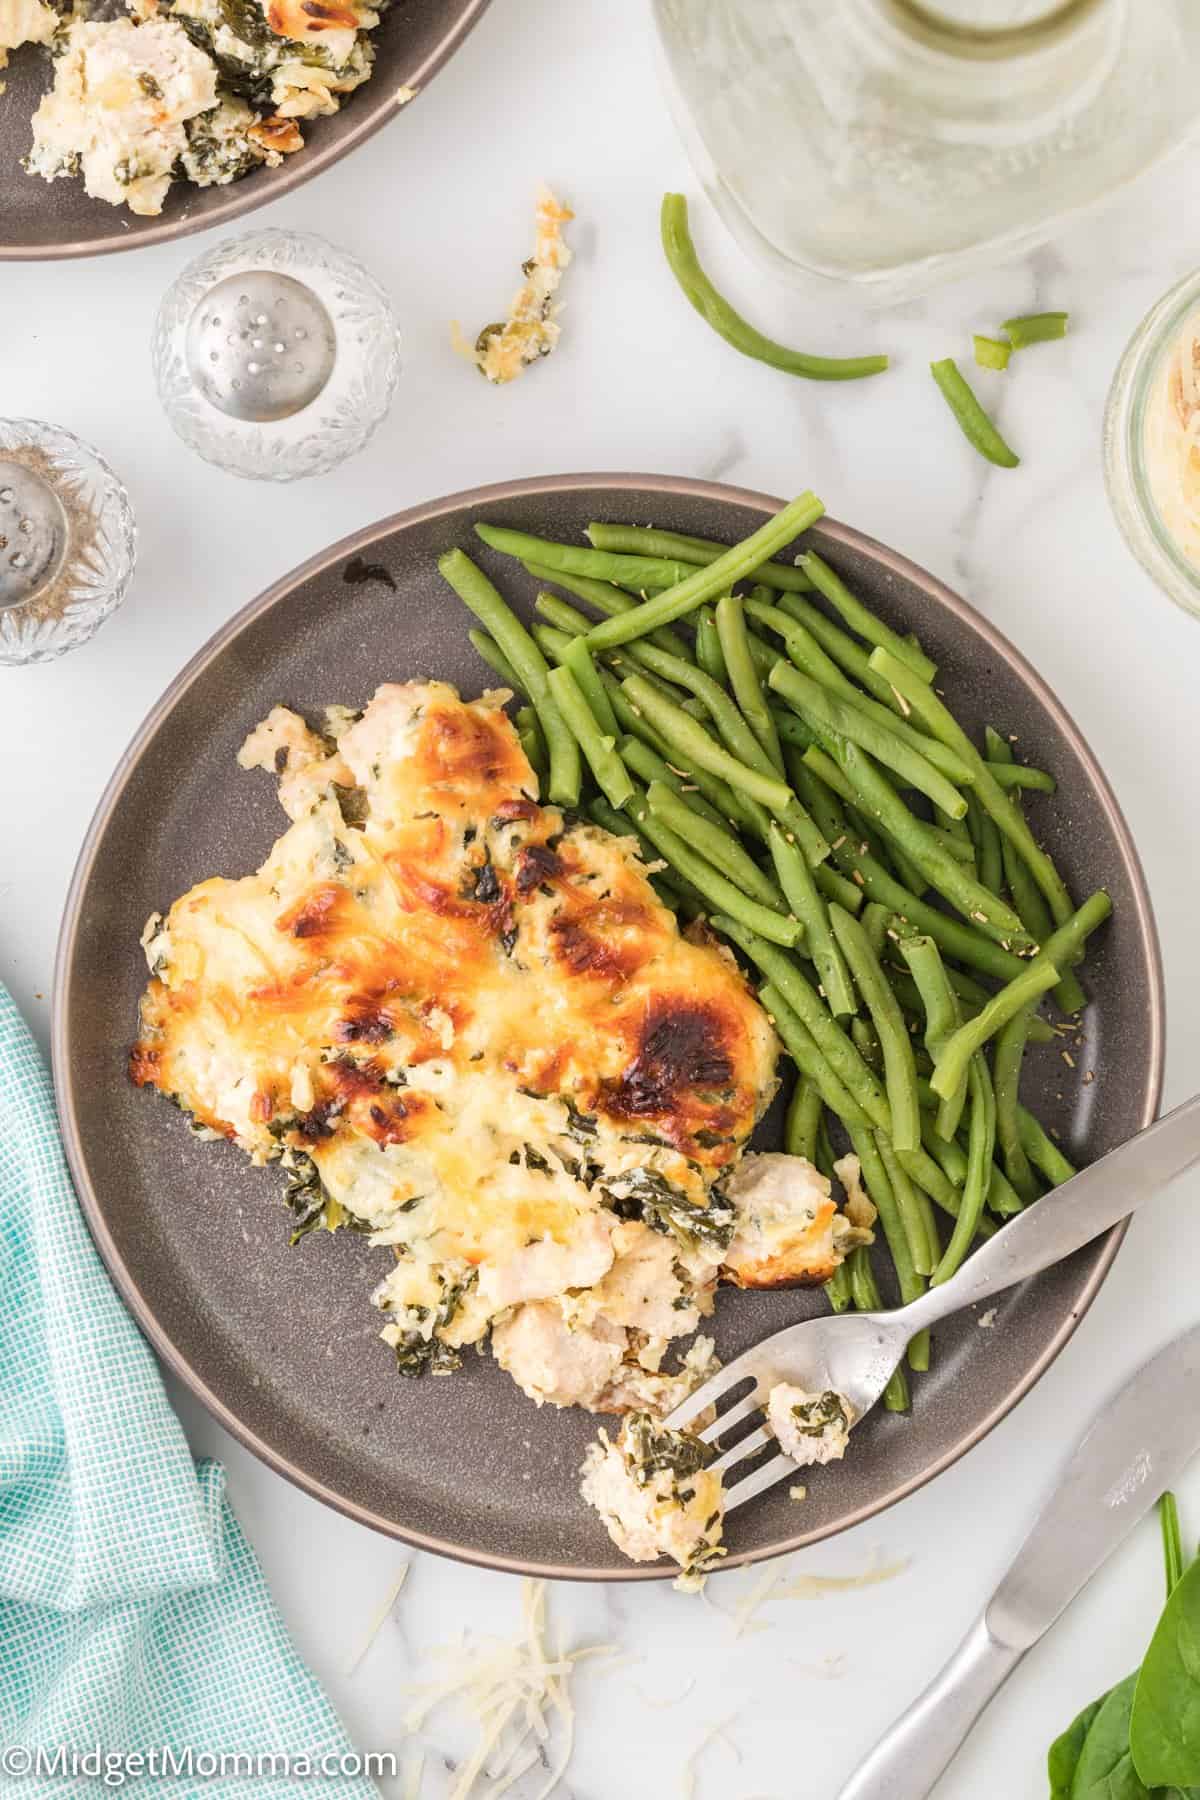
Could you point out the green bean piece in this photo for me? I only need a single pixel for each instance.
(861, 619)
(941, 723)
(650, 766)
(941, 870)
(736, 733)
(707, 583)
(607, 600)
(1021, 775)
(940, 1004)
(877, 922)
(1023, 990)
(1035, 328)
(1009, 1055)
(487, 647)
(800, 891)
(865, 1039)
(825, 1150)
(988, 853)
(785, 978)
(841, 648)
(715, 843)
(879, 1187)
(831, 716)
(636, 572)
(837, 1289)
(954, 846)
(561, 614)
(587, 678)
(973, 422)
(551, 641)
(695, 745)
(835, 887)
(914, 1208)
(980, 1147)
(621, 825)
(992, 353)
(1027, 897)
(709, 654)
(716, 311)
(1002, 1197)
(866, 1297)
(743, 677)
(612, 777)
(522, 653)
(1042, 1151)
(720, 895)
(802, 1047)
(803, 1120)
(532, 742)
(899, 1068)
(640, 540)
(946, 1196)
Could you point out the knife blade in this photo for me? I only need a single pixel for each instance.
(1136, 1447)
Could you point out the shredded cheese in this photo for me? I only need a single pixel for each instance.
(378, 1622)
(717, 1733)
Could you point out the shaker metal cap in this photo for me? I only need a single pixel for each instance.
(261, 345)
(33, 533)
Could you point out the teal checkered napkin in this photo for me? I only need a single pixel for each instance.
(133, 1614)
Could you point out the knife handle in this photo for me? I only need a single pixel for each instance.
(907, 1761)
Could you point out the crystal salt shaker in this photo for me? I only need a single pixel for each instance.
(67, 541)
(276, 355)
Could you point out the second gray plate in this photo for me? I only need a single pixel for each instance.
(281, 1344)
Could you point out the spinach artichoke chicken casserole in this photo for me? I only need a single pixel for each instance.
(465, 1025)
(201, 91)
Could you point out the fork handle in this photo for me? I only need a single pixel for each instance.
(907, 1761)
(1069, 1217)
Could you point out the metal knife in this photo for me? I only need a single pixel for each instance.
(1136, 1447)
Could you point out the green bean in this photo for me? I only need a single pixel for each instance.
(1042, 1151)
(532, 742)
(647, 763)
(941, 870)
(1035, 328)
(800, 891)
(1009, 1055)
(973, 422)
(645, 541)
(743, 677)
(676, 891)
(804, 1051)
(866, 1297)
(915, 1211)
(841, 648)
(587, 678)
(709, 654)
(879, 1187)
(1023, 990)
(707, 583)
(1021, 775)
(971, 997)
(825, 1158)
(561, 614)
(695, 744)
(607, 600)
(551, 641)
(861, 619)
(837, 1288)
(716, 844)
(956, 828)
(803, 1119)
(1027, 897)
(865, 1039)
(881, 1003)
(738, 737)
(942, 724)
(836, 1048)
(953, 845)
(980, 1147)
(487, 647)
(831, 715)
(940, 1004)
(992, 353)
(612, 777)
(988, 856)
(636, 572)
(716, 311)
(721, 895)
(876, 921)
(518, 648)
(835, 887)
(1002, 1197)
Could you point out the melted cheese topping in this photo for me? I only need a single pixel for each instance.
(473, 1028)
(531, 329)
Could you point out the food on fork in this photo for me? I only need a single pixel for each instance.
(809, 1428)
(657, 1498)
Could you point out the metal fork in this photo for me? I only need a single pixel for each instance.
(855, 1353)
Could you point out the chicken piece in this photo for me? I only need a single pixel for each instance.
(283, 745)
(655, 1495)
(547, 1267)
(654, 1285)
(553, 1364)
(789, 1232)
(810, 1428)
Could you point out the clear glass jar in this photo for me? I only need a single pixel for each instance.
(1136, 385)
(889, 144)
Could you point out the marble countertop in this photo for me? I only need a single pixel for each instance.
(438, 206)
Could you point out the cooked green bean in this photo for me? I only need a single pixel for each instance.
(833, 886)
(532, 742)
(621, 825)
(487, 647)
(802, 1047)
(803, 1119)
(953, 845)
(980, 1147)
(612, 777)
(865, 1039)
(800, 891)
(727, 323)
(636, 572)
(716, 844)
(992, 353)
(743, 677)
(878, 1183)
(607, 600)
(881, 1003)
(866, 1296)
(940, 1004)
(1021, 775)
(915, 1211)
(529, 665)
(837, 1288)
(587, 677)
(1008, 1057)
(973, 422)
(876, 921)
(647, 763)
(1027, 897)
(1035, 328)
(720, 894)
(561, 614)
(861, 619)
(1023, 990)
(694, 743)
(707, 583)
(841, 648)
(641, 540)
(941, 723)
(709, 654)
(986, 838)
(1042, 1152)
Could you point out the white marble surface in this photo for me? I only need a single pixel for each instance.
(439, 207)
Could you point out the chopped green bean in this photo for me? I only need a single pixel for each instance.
(1035, 328)
(607, 600)
(914, 1209)
(980, 1147)
(992, 353)
(612, 776)
(861, 619)
(532, 742)
(709, 654)
(636, 572)
(800, 891)
(1009, 1055)
(1020, 775)
(1022, 990)
(647, 763)
(803, 1119)
(487, 647)
(1042, 1152)
(587, 677)
(695, 745)
(720, 894)
(881, 1003)
(973, 422)
(715, 843)
(640, 540)
(743, 677)
(801, 1046)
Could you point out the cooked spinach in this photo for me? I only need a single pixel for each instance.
(646, 1195)
(814, 1417)
(652, 1449)
(421, 1354)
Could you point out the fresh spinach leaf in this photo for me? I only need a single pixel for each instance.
(1105, 1768)
(1164, 1730)
(1063, 1757)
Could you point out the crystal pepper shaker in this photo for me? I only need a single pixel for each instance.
(67, 541)
(276, 355)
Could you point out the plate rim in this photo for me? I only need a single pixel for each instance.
(239, 200)
(354, 543)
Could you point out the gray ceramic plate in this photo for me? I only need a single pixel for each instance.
(280, 1344)
(55, 219)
